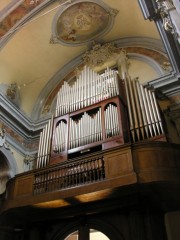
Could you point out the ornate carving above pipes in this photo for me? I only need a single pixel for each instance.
(99, 54)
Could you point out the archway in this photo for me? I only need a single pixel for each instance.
(89, 229)
(7, 166)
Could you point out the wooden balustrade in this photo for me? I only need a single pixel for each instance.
(69, 175)
(77, 176)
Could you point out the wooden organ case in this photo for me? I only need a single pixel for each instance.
(98, 112)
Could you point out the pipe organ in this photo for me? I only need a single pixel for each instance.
(99, 111)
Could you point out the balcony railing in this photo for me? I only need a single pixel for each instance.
(69, 175)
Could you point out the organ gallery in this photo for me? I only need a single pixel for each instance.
(96, 110)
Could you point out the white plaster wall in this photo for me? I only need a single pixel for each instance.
(19, 158)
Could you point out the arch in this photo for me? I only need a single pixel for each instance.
(8, 168)
(107, 104)
(90, 223)
(151, 62)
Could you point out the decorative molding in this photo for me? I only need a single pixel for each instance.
(20, 15)
(153, 11)
(3, 142)
(11, 91)
(163, 8)
(167, 66)
(148, 9)
(21, 132)
(29, 162)
(174, 113)
(9, 8)
(10, 161)
(155, 65)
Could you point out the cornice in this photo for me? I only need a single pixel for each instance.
(18, 121)
(18, 23)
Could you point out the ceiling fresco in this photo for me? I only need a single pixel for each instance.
(81, 22)
(16, 14)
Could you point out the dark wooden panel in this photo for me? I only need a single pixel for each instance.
(118, 162)
(156, 162)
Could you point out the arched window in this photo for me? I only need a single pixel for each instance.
(88, 229)
(91, 234)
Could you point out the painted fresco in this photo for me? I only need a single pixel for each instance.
(81, 22)
(16, 15)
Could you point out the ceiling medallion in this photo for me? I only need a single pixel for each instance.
(82, 21)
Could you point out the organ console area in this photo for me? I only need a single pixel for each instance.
(99, 112)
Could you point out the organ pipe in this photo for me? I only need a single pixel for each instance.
(144, 115)
(44, 145)
(85, 130)
(88, 89)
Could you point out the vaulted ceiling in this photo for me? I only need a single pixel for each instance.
(36, 60)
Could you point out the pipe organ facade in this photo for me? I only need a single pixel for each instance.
(99, 111)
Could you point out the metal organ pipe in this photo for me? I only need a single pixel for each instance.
(154, 112)
(144, 116)
(157, 112)
(59, 137)
(131, 123)
(134, 112)
(142, 108)
(150, 111)
(88, 89)
(44, 145)
(85, 130)
(146, 110)
(111, 121)
(139, 116)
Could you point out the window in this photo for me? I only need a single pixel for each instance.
(93, 234)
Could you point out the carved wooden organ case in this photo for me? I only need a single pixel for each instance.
(98, 112)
